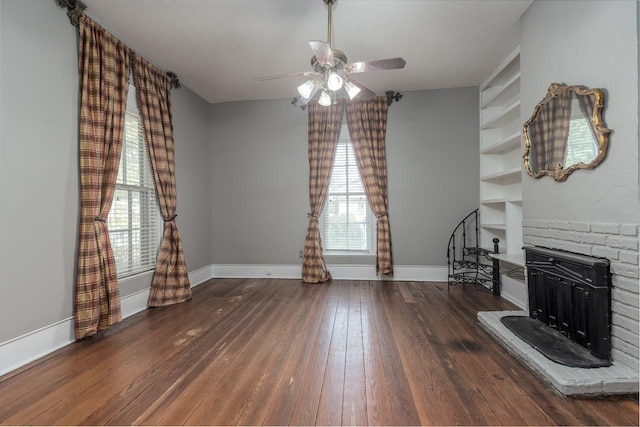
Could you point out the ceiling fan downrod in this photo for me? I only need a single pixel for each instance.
(329, 3)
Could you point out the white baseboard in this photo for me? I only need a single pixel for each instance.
(201, 275)
(267, 271)
(402, 273)
(136, 302)
(24, 349)
(29, 347)
(338, 271)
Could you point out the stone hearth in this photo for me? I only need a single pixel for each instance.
(615, 379)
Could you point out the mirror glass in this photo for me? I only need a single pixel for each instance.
(565, 132)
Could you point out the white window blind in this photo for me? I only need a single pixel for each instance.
(584, 143)
(132, 221)
(346, 218)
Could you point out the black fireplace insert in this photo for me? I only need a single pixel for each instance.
(571, 293)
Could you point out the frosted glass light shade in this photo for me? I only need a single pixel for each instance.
(325, 99)
(352, 90)
(306, 89)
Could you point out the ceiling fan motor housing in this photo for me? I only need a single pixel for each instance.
(339, 62)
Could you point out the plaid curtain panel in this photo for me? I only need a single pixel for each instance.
(537, 154)
(367, 121)
(559, 130)
(324, 132)
(103, 68)
(550, 130)
(170, 284)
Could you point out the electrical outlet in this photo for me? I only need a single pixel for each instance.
(300, 253)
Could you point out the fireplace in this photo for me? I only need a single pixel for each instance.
(570, 293)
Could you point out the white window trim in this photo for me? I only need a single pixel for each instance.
(344, 136)
(159, 221)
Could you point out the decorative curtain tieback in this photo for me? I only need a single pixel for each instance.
(100, 219)
(311, 216)
(170, 219)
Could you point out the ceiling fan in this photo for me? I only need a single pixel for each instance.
(331, 72)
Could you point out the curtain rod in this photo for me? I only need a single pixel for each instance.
(391, 96)
(75, 9)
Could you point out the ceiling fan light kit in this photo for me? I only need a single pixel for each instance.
(352, 90)
(332, 73)
(307, 89)
(334, 81)
(325, 99)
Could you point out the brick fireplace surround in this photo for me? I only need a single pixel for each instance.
(619, 244)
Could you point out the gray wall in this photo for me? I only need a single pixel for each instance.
(259, 174)
(260, 177)
(593, 44)
(193, 175)
(39, 168)
(433, 168)
(595, 212)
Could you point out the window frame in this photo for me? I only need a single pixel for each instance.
(147, 194)
(345, 138)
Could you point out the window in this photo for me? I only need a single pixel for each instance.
(584, 144)
(132, 221)
(346, 218)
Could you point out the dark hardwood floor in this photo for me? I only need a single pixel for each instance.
(277, 352)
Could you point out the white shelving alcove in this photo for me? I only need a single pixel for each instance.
(501, 173)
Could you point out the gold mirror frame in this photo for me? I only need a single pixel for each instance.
(599, 131)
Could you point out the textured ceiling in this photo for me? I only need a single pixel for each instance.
(218, 47)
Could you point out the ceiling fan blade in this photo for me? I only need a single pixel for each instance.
(279, 76)
(376, 65)
(365, 93)
(322, 52)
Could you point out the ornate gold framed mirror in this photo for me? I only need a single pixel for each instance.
(565, 132)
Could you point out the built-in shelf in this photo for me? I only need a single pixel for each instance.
(500, 156)
(509, 91)
(510, 66)
(495, 226)
(505, 145)
(516, 258)
(510, 113)
(501, 200)
(493, 201)
(502, 174)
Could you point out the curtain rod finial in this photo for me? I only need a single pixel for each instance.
(391, 96)
(294, 102)
(75, 9)
(175, 82)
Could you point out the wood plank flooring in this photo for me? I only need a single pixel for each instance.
(279, 352)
